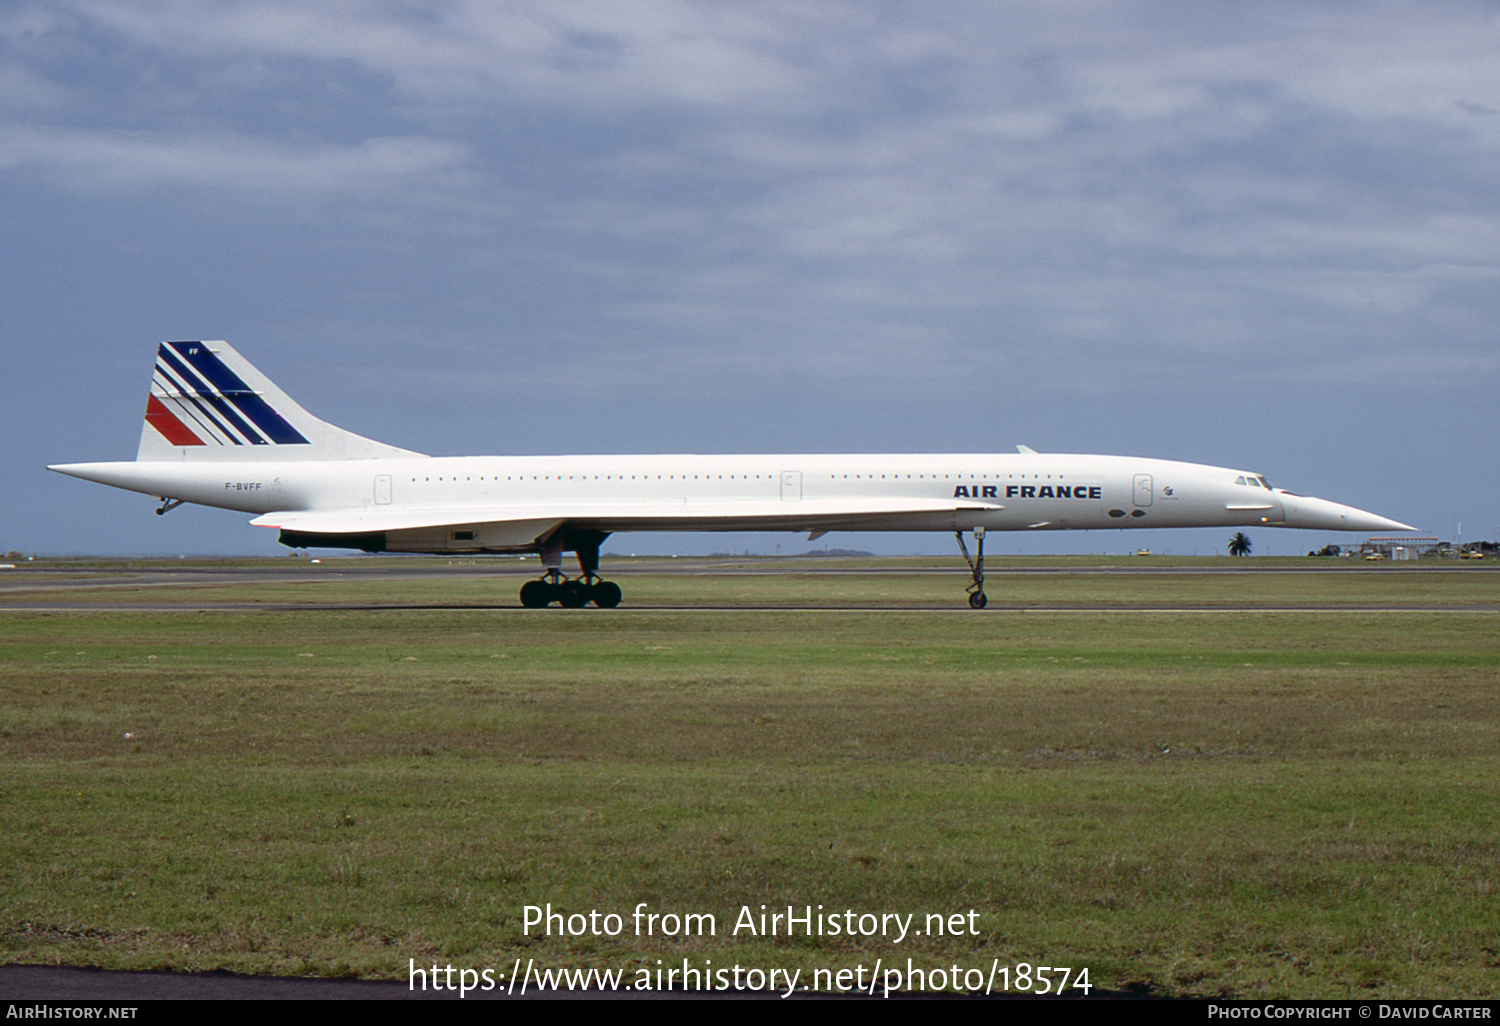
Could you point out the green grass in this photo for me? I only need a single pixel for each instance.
(1251, 804)
(762, 582)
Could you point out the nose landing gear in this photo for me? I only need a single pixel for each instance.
(977, 599)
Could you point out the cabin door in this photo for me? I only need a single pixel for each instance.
(1142, 490)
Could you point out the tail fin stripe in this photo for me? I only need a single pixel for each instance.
(172, 389)
(217, 393)
(233, 387)
(172, 429)
(191, 401)
(201, 392)
(208, 425)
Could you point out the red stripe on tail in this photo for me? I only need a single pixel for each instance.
(172, 429)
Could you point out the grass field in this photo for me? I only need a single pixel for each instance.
(1224, 800)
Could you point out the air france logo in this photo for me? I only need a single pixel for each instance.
(1030, 492)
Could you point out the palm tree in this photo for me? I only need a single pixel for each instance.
(1239, 545)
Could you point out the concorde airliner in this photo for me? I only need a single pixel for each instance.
(219, 433)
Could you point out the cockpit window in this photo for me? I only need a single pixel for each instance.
(1264, 483)
(1240, 479)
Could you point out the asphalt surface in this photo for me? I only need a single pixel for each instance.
(39, 588)
(81, 987)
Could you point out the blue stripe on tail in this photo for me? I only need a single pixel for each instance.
(225, 387)
(203, 395)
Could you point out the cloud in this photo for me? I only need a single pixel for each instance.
(834, 182)
(600, 53)
(100, 161)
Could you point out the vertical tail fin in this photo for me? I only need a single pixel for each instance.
(208, 403)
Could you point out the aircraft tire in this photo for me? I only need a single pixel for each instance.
(607, 594)
(978, 600)
(536, 594)
(573, 594)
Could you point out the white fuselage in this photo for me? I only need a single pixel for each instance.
(442, 504)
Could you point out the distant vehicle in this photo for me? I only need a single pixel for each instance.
(1375, 555)
(1472, 554)
(1143, 552)
(218, 432)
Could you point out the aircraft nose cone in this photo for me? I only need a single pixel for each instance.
(1310, 513)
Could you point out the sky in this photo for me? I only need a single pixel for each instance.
(1263, 236)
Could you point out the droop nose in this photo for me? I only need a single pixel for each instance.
(1310, 513)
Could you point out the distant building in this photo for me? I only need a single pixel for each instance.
(1405, 547)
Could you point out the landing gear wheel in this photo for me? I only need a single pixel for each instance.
(573, 594)
(607, 594)
(978, 601)
(536, 594)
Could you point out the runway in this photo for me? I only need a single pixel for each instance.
(708, 608)
(84, 986)
(53, 587)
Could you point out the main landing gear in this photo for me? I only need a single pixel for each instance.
(977, 599)
(575, 594)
